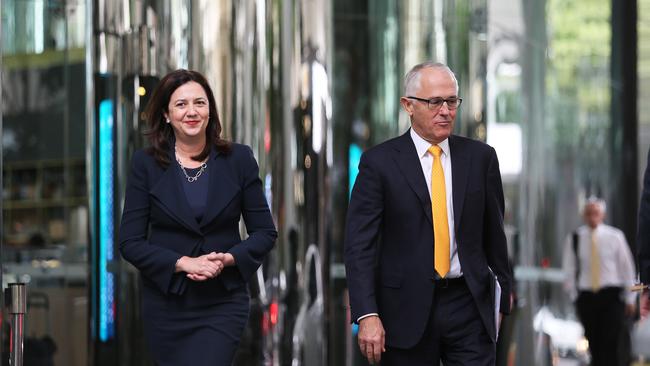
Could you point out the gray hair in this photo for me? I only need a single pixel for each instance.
(412, 78)
(593, 200)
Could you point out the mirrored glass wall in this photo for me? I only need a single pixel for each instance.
(45, 194)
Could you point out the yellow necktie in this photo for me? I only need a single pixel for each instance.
(595, 263)
(439, 213)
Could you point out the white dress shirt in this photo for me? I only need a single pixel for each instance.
(616, 264)
(426, 161)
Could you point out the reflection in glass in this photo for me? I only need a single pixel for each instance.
(45, 211)
(549, 121)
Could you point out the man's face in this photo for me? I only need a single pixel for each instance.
(432, 125)
(594, 215)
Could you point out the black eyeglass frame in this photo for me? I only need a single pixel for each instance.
(431, 103)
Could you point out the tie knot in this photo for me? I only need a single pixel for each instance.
(435, 150)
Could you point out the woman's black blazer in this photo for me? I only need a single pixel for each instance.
(158, 226)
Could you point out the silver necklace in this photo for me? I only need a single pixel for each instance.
(187, 176)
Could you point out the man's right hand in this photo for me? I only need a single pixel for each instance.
(371, 338)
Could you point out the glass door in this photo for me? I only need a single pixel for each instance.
(45, 195)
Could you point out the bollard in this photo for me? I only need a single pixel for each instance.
(17, 302)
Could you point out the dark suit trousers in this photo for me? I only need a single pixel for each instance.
(602, 315)
(455, 334)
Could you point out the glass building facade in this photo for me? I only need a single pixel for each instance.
(556, 86)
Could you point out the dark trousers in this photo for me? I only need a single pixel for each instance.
(454, 335)
(602, 315)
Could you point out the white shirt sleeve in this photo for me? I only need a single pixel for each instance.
(627, 268)
(366, 316)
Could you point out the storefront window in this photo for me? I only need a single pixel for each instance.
(45, 216)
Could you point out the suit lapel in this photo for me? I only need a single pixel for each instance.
(222, 188)
(409, 164)
(460, 166)
(168, 191)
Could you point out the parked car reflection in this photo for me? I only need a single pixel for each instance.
(261, 341)
(309, 330)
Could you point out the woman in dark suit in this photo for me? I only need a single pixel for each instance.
(180, 226)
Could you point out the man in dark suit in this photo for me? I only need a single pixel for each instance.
(643, 239)
(425, 240)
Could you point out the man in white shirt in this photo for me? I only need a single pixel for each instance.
(599, 271)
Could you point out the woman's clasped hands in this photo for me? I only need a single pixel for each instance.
(204, 267)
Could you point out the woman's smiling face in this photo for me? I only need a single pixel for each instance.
(189, 111)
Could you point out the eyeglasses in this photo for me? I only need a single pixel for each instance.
(434, 104)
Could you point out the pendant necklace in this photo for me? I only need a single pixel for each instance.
(189, 178)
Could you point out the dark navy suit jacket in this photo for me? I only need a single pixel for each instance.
(389, 236)
(643, 234)
(158, 225)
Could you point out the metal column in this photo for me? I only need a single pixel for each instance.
(16, 297)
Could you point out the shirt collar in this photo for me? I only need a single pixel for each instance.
(589, 230)
(422, 145)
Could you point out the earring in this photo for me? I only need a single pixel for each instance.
(167, 120)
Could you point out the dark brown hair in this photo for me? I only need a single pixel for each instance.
(161, 133)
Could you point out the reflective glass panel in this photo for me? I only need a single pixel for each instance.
(45, 195)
